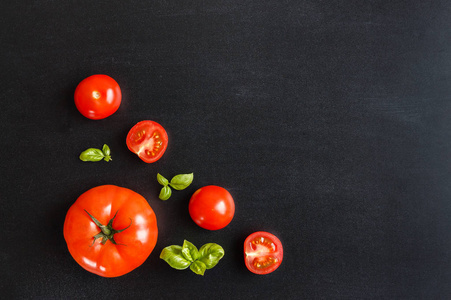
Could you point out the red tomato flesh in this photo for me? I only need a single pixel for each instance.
(148, 140)
(97, 97)
(263, 252)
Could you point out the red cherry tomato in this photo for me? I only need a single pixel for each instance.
(97, 97)
(127, 239)
(263, 252)
(212, 207)
(148, 140)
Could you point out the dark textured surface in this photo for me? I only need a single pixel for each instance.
(328, 121)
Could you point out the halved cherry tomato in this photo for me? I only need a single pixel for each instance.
(148, 140)
(212, 207)
(97, 97)
(263, 252)
(110, 230)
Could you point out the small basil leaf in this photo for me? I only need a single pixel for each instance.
(161, 180)
(107, 158)
(106, 150)
(173, 256)
(189, 251)
(92, 154)
(198, 267)
(181, 181)
(210, 254)
(165, 193)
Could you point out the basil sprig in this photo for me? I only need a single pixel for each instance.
(178, 182)
(182, 257)
(94, 154)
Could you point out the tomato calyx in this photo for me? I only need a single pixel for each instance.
(107, 231)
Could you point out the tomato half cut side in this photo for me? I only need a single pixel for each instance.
(263, 252)
(148, 140)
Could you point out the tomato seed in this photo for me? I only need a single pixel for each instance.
(273, 246)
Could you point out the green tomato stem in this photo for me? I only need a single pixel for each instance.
(107, 231)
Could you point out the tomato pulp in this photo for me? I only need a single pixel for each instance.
(263, 252)
(97, 97)
(148, 140)
(110, 230)
(212, 207)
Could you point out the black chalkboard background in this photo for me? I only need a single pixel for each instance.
(328, 122)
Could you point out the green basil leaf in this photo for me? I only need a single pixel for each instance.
(198, 267)
(165, 193)
(181, 181)
(161, 180)
(107, 158)
(189, 251)
(210, 254)
(173, 256)
(92, 154)
(106, 150)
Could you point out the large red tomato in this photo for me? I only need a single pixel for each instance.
(97, 97)
(110, 230)
(263, 252)
(212, 207)
(148, 140)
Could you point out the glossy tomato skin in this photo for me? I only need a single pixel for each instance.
(134, 244)
(212, 207)
(148, 140)
(97, 97)
(263, 252)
